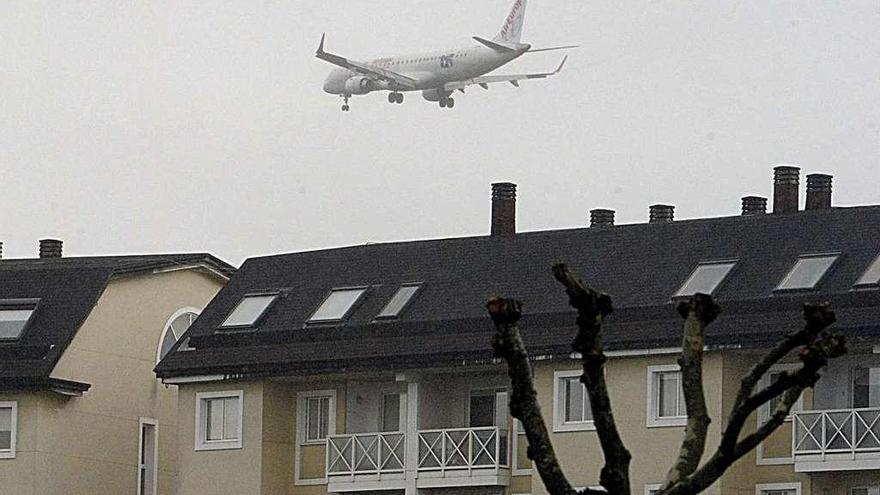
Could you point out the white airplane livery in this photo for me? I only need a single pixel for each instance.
(437, 75)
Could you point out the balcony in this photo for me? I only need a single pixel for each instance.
(836, 440)
(445, 458)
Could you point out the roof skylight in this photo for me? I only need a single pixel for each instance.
(807, 272)
(872, 276)
(338, 304)
(14, 317)
(706, 278)
(400, 299)
(249, 310)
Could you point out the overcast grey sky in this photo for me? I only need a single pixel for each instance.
(168, 126)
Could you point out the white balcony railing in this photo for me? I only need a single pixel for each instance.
(366, 453)
(837, 431)
(463, 449)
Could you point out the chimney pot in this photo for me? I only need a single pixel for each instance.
(503, 209)
(50, 248)
(601, 218)
(754, 205)
(662, 213)
(819, 191)
(786, 179)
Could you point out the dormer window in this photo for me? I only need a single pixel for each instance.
(706, 278)
(807, 272)
(399, 301)
(14, 317)
(249, 310)
(337, 305)
(872, 276)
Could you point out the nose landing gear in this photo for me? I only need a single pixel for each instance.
(345, 106)
(447, 102)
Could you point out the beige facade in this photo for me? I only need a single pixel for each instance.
(273, 459)
(89, 445)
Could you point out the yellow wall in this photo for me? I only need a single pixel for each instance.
(89, 444)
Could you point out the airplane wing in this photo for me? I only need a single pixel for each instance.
(366, 69)
(514, 79)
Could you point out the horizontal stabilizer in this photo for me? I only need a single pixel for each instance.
(552, 48)
(498, 47)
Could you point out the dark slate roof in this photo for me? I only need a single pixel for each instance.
(641, 266)
(67, 290)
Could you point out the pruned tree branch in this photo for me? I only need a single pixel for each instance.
(592, 308)
(698, 313)
(818, 347)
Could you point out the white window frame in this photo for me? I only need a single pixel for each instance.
(201, 426)
(177, 314)
(733, 264)
(154, 473)
(10, 452)
(760, 488)
(649, 487)
(301, 412)
(516, 431)
(867, 488)
(559, 423)
(791, 271)
(653, 419)
(764, 414)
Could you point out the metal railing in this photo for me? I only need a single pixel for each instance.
(463, 449)
(836, 431)
(366, 453)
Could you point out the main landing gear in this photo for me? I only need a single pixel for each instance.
(395, 97)
(345, 106)
(447, 102)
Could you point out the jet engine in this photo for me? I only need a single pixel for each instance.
(360, 85)
(435, 94)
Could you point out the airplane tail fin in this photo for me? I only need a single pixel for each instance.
(511, 31)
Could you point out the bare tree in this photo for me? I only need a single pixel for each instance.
(686, 476)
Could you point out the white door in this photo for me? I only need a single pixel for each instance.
(147, 457)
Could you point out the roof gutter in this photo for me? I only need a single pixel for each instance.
(59, 386)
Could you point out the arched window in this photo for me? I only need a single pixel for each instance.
(174, 329)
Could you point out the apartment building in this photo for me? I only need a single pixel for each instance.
(369, 369)
(81, 411)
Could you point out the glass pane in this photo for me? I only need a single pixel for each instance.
(230, 418)
(337, 304)
(213, 419)
(318, 410)
(705, 278)
(807, 272)
(872, 276)
(5, 428)
(248, 310)
(12, 322)
(866, 387)
(168, 341)
(396, 304)
(324, 427)
(669, 392)
(391, 412)
(574, 400)
(482, 409)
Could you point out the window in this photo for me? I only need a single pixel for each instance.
(338, 304)
(14, 317)
(487, 408)
(807, 272)
(666, 405)
(8, 418)
(249, 310)
(390, 413)
(866, 387)
(571, 405)
(866, 490)
(218, 420)
(316, 412)
(399, 301)
(652, 489)
(872, 275)
(770, 377)
(174, 329)
(778, 489)
(706, 278)
(148, 467)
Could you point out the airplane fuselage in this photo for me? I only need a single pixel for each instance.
(431, 71)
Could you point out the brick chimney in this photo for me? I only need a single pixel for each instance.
(1, 250)
(662, 213)
(754, 205)
(503, 209)
(786, 180)
(50, 248)
(819, 191)
(601, 218)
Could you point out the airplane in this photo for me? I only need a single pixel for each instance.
(437, 75)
